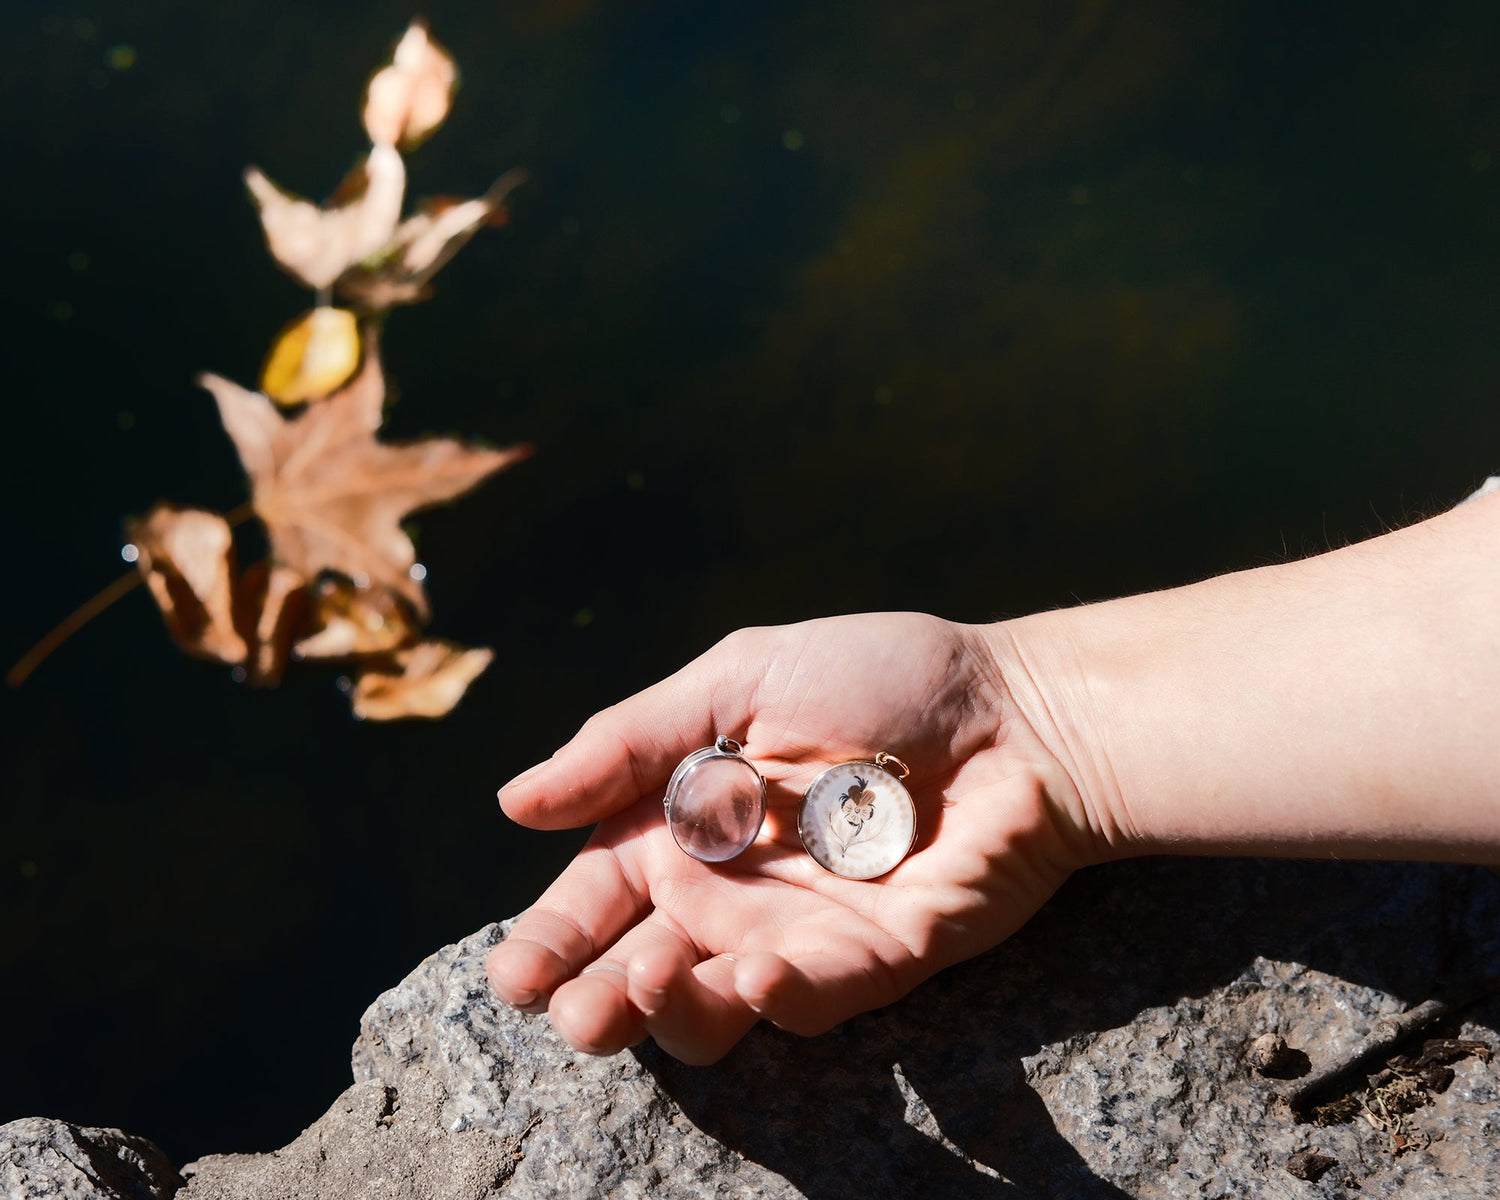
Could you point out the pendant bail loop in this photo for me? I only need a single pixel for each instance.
(882, 759)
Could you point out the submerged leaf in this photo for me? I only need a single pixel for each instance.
(333, 497)
(410, 98)
(354, 621)
(317, 245)
(431, 679)
(187, 557)
(422, 245)
(312, 356)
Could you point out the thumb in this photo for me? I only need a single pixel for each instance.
(630, 749)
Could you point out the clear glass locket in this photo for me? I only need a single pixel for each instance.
(715, 802)
(857, 819)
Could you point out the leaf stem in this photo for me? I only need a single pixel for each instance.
(70, 625)
(103, 599)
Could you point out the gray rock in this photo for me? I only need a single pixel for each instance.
(373, 1142)
(1161, 1108)
(1099, 1053)
(40, 1157)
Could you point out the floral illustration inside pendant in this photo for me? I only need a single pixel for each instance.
(857, 819)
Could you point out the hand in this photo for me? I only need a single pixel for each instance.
(635, 938)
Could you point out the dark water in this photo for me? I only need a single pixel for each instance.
(812, 308)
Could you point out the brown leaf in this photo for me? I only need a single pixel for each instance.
(187, 557)
(1309, 1164)
(275, 598)
(431, 679)
(422, 246)
(317, 245)
(354, 621)
(410, 98)
(312, 356)
(331, 496)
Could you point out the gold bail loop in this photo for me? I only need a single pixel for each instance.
(883, 758)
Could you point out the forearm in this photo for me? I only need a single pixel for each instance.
(1346, 705)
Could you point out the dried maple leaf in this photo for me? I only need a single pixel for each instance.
(410, 98)
(433, 677)
(317, 245)
(353, 621)
(331, 496)
(423, 245)
(187, 557)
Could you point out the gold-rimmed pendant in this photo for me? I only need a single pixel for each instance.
(857, 819)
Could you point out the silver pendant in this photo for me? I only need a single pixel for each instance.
(857, 819)
(715, 802)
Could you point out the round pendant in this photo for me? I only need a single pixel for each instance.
(857, 819)
(715, 802)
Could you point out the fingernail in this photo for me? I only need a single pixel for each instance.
(522, 999)
(652, 1001)
(756, 1004)
(526, 774)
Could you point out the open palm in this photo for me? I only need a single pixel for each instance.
(635, 938)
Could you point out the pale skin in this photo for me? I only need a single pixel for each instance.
(1341, 706)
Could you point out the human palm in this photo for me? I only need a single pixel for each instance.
(635, 938)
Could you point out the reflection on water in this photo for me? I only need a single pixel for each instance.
(811, 308)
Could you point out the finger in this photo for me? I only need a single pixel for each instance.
(817, 991)
(597, 1012)
(585, 910)
(692, 1012)
(593, 1012)
(630, 750)
(645, 983)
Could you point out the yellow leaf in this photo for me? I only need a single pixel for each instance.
(312, 357)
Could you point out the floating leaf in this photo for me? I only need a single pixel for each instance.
(278, 597)
(422, 245)
(354, 621)
(431, 679)
(333, 497)
(187, 557)
(317, 245)
(312, 356)
(341, 579)
(410, 98)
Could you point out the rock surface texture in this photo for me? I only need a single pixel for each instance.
(1099, 1053)
(52, 1159)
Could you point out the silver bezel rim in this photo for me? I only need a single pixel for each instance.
(691, 763)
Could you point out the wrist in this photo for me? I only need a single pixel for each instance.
(1047, 714)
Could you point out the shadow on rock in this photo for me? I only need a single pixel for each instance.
(1098, 1053)
(950, 1091)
